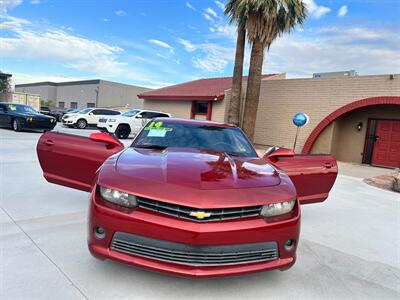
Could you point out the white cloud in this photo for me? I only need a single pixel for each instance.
(343, 11)
(21, 78)
(215, 59)
(56, 46)
(208, 57)
(12, 23)
(209, 11)
(189, 46)
(208, 17)
(34, 2)
(5, 5)
(106, 20)
(120, 13)
(161, 44)
(315, 10)
(220, 5)
(190, 6)
(369, 51)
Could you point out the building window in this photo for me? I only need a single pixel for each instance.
(74, 105)
(90, 105)
(201, 108)
(61, 104)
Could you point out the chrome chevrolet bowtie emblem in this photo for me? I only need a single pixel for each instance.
(200, 214)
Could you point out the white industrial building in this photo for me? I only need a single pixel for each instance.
(86, 93)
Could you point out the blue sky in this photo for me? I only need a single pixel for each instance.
(159, 42)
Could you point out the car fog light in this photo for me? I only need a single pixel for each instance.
(99, 232)
(289, 244)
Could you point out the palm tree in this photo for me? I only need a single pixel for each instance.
(266, 20)
(238, 17)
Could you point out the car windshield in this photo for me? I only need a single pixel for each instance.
(85, 110)
(130, 113)
(21, 108)
(160, 135)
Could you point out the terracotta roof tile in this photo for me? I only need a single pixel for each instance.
(201, 89)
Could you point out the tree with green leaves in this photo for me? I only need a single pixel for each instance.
(265, 21)
(5, 83)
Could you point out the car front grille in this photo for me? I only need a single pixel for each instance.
(185, 212)
(41, 122)
(185, 254)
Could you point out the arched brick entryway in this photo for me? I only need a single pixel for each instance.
(343, 110)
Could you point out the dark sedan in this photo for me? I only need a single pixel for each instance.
(19, 117)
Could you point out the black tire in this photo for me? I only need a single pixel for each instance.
(81, 124)
(122, 132)
(16, 125)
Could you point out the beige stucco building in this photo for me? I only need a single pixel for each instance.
(355, 118)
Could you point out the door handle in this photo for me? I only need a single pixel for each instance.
(328, 165)
(49, 143)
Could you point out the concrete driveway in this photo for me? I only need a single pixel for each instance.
(349, 245)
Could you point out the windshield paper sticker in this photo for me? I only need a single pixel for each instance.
(156, 133)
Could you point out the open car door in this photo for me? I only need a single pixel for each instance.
(313, 175)
(72, 160)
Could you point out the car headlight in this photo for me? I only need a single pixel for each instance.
(276, 209)
(117, 197)
(111, 120)
(29, 119)
(65, 117)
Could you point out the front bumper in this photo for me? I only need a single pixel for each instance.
(39, 124)
(107, 127)
(68, 122)
(165, 231)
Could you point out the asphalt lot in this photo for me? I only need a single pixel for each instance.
(349, 245)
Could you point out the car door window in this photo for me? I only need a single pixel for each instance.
(97, 112)
(158, 115)
(110, 112)
(148, 115)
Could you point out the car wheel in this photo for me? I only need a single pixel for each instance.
(16, 125)
(81, 124)
(122, 132)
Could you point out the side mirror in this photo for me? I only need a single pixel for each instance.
(281, 152)
(139, 116)
(91, 114)
(106, 138)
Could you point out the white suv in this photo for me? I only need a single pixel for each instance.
(129, 122)
(87, 116)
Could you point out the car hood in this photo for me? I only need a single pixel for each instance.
(194, 178)
(200, 169)
(33, 115)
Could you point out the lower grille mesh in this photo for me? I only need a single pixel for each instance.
(193, 255)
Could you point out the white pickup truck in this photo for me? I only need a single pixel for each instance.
(129, 122)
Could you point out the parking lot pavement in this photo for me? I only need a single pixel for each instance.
(349, 245)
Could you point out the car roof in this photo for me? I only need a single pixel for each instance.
(7, 103)
(155, 111)
(195, 122)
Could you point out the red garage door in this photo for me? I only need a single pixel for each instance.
(387, 146)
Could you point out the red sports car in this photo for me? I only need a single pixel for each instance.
(190, 198)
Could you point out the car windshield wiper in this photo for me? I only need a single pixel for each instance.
(233, 153)
(150, 147)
